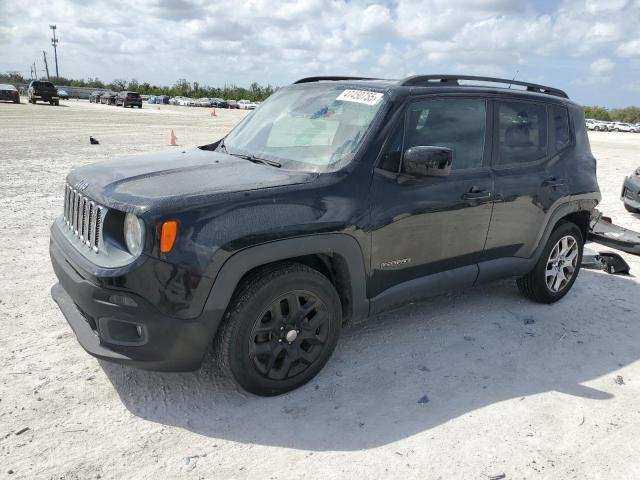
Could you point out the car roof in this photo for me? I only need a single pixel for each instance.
(439, 84)
(6, 86)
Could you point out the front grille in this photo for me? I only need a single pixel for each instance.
(629, 194)
(83, 217)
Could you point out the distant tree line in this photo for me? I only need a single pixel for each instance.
(182, 87)
(626, 115)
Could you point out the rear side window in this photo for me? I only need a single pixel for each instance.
(522, 129)
(560, 125)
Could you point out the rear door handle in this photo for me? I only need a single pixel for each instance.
(476, 193)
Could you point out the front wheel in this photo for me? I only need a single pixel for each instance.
(557, 268)
(280, 329)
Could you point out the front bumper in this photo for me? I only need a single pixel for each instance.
(631, 192)
(122, 327)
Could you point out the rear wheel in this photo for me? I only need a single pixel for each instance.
(280, 329)
(558, 266)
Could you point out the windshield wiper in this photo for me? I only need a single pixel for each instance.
(254, 159)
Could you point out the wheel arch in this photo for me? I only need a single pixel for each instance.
(337, 256)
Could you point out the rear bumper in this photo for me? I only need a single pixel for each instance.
(631, 192)
(122, 327)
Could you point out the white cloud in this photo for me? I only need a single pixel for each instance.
(602, 66)
(275, 41)
(629, 49)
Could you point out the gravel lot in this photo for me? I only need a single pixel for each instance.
(513, 388)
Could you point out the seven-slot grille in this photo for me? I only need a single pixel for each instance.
(84, 217)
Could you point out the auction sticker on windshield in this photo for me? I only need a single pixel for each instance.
(360, 96)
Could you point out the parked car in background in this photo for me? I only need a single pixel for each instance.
(636, 128)
(232, 104)
(129, 99)
(63, 94)
(94, 97)
(622, 127)
(9, 93)
(203, 102)
(162, 99)
(596, 125)
(219, 103)
(246, 105)
(44, 91)
(151, 99)
(631, 192)
(108, 97)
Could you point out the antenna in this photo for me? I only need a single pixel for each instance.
(514, 77)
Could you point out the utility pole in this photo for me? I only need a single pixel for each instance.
(35, 72)
(46, 66)
(54, 42)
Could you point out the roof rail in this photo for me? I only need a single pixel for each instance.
(319, 79)
(445, 80)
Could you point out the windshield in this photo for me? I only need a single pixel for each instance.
(309, 127)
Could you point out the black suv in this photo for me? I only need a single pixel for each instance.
(337, 199)
(129, 99)
(43, 91)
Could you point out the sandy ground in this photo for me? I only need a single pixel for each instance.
(513, 387)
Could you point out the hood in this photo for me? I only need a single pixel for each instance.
(177, 179)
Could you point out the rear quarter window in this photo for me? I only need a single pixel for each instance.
(560, 126)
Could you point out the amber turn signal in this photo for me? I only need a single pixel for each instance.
(168, 234)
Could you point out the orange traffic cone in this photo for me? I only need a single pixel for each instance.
(213, 114)
(172, 139)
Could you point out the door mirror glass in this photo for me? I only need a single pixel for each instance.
(422, 161)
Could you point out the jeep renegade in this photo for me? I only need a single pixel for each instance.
(336, 199)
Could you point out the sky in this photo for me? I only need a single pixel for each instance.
(590, 48)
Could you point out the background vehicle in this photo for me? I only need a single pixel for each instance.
(129, 99)
(9, 93)
(63, 94)
(162, 99)
(267, 241)
(108, 97)
(203, 102)
(151, 99)
(232, 104)
(622, 127)
(44, 91)
(95, 96)
(218, 103)
(631, 192)
(246, 105)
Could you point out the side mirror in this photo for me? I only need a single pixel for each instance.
(428, 161)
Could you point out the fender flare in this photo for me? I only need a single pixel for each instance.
(241, 262)
(517, 266)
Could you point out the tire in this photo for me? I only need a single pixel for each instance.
(630, 209)
(57, 103)
(534, 285)
(139, 106)
(268, 346)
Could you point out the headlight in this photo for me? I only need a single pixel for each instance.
(133, 234)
